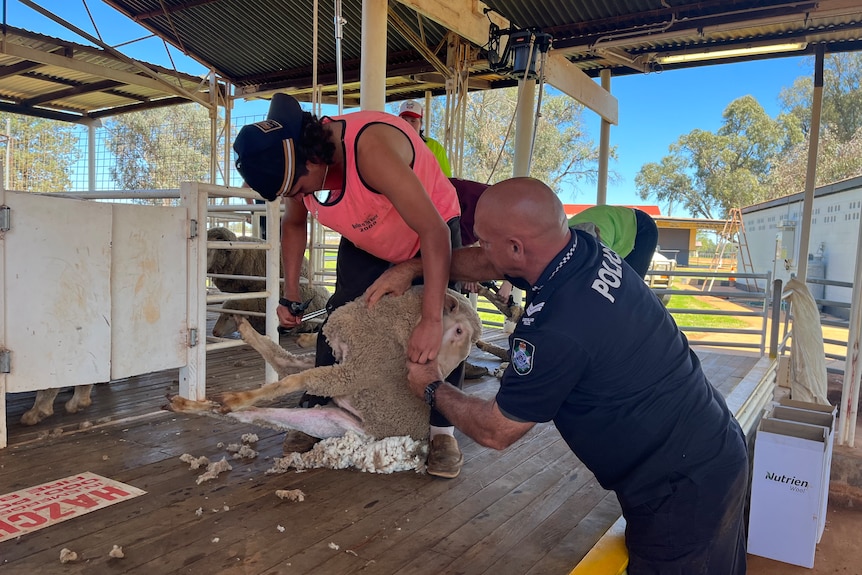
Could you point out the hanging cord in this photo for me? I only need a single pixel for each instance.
(544, 56)
(315, 99)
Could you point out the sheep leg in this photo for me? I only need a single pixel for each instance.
(496, 350)
(512, 312)
(320, 380)
(279, 358)
(179, 404)
(80, 399)
(321, 421)
(43, 406)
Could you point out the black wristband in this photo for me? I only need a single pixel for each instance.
(431, 391)
(296, 308)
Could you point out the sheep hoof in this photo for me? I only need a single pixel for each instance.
(73, 406)
(179, 404)
(35, 415)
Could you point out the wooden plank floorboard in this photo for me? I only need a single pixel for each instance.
(461, 502)
(576, 543)
(406, 521)
(170, 484)
(531, 509)
(514, 548)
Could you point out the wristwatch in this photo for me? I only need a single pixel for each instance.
(430, 391)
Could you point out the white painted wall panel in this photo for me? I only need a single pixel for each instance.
(57, 292)
(149, 317)
(835, 221)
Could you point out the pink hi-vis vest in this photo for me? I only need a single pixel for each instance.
(367, 218)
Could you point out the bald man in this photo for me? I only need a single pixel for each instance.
(597, 353)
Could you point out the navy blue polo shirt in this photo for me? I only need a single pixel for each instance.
(597, 353)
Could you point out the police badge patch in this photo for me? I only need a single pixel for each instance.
(522, 356)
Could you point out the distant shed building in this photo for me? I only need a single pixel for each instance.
(677, 237)
(773, 231)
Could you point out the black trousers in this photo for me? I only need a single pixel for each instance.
(646, 240)
(355, 271)
(697, 530)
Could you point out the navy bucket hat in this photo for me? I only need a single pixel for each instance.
(266, 151)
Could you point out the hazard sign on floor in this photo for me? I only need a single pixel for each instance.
(37, 507)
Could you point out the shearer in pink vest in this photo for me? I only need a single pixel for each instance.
(370, 177)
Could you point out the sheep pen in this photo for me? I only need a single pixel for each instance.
(223, 261)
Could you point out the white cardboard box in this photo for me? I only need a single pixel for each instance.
(813, 414)
(790, 481)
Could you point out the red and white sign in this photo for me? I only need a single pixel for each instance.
(36, 507)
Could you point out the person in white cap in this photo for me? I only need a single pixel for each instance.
(411, 112)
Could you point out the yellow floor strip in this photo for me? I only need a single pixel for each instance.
(608, 556)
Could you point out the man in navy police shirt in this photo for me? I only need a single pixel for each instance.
(597, 353)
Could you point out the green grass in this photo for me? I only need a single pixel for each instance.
(692, 320)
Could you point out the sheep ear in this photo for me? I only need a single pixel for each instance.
(450, 303)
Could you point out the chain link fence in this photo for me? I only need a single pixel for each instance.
(49, 156)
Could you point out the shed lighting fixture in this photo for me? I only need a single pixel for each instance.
(731, 53)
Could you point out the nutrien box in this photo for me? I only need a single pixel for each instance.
(789, 482)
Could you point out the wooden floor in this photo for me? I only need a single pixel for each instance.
(532, 509)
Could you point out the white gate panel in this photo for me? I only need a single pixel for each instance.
(57, 292)
(149, 312)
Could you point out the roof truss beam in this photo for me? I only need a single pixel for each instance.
(73, 91)
(49, 59)
(467, 19)
(19, 68)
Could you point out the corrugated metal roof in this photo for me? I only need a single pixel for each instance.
(265, 45)
(261, 46)
(52, 78)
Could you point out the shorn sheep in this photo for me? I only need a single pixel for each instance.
(368, 384)
(251, 263)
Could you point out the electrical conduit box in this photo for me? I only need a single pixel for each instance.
(790, 482)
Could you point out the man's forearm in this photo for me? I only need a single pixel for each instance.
(478, 418)
(471, 264)
(294, 241)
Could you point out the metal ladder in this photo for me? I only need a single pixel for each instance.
(734, 230)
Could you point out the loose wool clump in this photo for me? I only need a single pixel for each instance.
(387, 455)
(290, 494)
(194, 462)
(213, 470)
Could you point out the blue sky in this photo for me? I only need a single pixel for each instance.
(654, 109)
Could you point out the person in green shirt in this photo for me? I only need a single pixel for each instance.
(630, 232)
(411, 112)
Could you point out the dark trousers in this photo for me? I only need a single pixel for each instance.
(355, 271)
(646, 240)
(697, 530)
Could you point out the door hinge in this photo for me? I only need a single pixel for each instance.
(5, 218)
(193, 337)
(193, 229)
(5, 361)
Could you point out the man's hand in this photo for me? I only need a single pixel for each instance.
(425, 340)
(419, 375)
(287, 319)
(394, 281)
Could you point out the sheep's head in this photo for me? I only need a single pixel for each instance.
(217, 259)
(461, 329)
